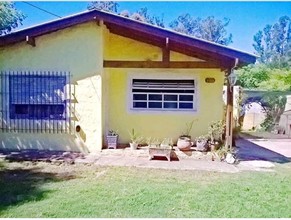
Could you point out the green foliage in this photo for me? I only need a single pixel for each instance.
(135, 137)
(279, 80)
(273, 44)
(210, 29)
(274, 109)
(215, 130)
(128, 192)
(252, 75)
(153, 142)
(167, 143)
(189, 126)
(1, 165)
(10, 17)
(112, 133)
(262, 76)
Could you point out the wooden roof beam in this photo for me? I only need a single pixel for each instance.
(158, 64)
(166, 52)
(135, 35)
(30, 40)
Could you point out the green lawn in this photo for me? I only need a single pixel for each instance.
(44, 190)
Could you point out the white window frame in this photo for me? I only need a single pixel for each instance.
(170, 76)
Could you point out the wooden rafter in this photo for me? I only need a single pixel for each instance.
(135, 35)
(166, 52)
(30, 40)
(157, 64)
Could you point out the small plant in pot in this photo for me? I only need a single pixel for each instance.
(202, 143)
(184, 141)
(167, 143)
(153, 142)
(112, 139)
(226, 154)
(216, 130)
(135, 139)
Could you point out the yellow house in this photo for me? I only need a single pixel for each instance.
(65, 83)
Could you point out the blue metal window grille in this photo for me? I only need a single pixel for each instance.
(37, 97)
(35, 101)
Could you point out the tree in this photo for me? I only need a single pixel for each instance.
(140, 15)
(272, 80)
(273, 107)
(10, 17)
(273, 44)
(210, 29)
(109, 6)
(252, 76)
(143, 15)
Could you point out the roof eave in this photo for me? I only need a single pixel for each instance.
(244, 58)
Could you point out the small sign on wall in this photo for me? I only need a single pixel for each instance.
(209, 80)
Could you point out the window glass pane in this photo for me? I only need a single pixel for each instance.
(155, 97)
(186, 97)
(21, 109)
(171, 97)
(37, 97)
(37, 89)
(155, 105)
(186, 105)
(163, 90)
(57, 111)
(163, 93)
(170, 105)
(139, 104)
(139, 96)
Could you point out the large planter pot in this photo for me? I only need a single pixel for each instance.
(184, 143)
(112, 141)
(133, 146)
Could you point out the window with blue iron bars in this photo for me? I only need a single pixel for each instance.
(37, 97)
(35, 101)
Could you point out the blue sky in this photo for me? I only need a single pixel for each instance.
(246, 18)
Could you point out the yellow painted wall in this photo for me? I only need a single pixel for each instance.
(77, 49)
(40, 141)
(120, 48)
(156, 124)
(163, 124)
(102, 94)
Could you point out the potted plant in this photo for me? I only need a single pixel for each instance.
(215, 131)
(184, 141)
(135, 139)
(157, 148)
(153, 142)
(201, 143)
(226, 154)
(167, 143)
(112, 139)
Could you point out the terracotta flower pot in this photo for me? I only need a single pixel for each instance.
(184, 143)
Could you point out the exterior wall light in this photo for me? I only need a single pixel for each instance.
(232, 78)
